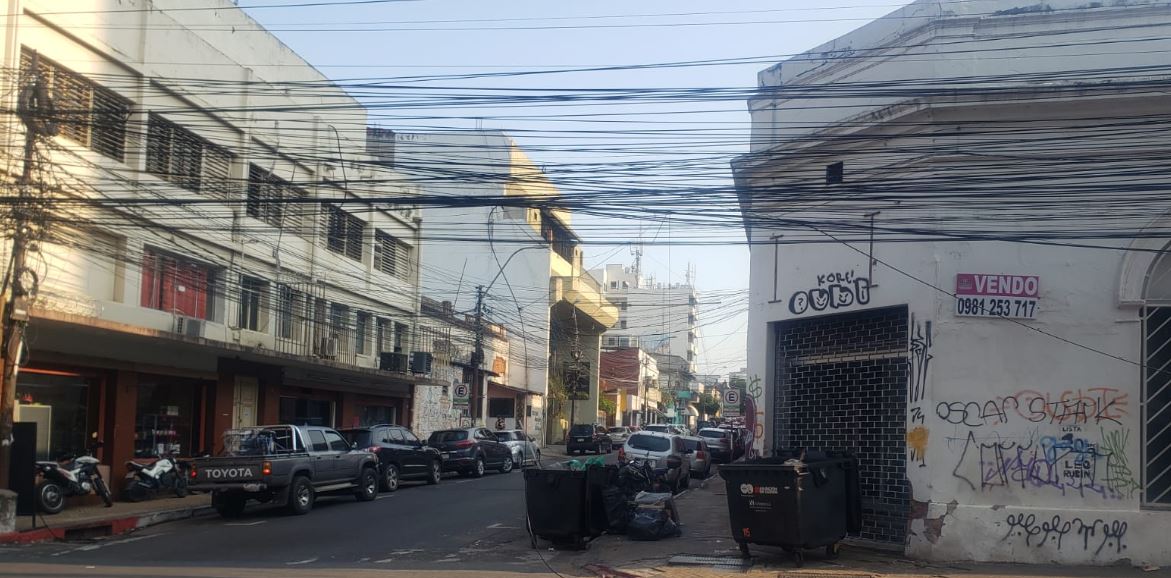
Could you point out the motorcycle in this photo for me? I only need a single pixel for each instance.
(74, 477)
(145, 480)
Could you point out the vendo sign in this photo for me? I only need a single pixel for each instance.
(994, 295)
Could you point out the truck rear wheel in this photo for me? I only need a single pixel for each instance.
(301, 496)
(368, 485)
(229, 506)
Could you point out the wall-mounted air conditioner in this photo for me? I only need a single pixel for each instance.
(420, 362)
(388, 361)
(188, 326)
(328, 347)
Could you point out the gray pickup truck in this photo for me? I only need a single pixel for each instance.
(290, 464)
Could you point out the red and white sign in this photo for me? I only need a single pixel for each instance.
(1005, 296)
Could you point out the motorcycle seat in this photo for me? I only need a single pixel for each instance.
(135, 466)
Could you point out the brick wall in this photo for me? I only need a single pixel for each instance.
(842, 384)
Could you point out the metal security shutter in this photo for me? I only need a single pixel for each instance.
(842, 384)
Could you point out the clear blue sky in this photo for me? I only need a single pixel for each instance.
(373, 41)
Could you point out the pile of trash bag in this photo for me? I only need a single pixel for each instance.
(654, 517)
(634, 507)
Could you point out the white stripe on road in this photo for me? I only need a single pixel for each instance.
(300, 562)
(257, 523)
(499, 526)
(92, 547)
(464, 481)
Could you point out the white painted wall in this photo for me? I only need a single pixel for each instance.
(659, 316)
(992, 473)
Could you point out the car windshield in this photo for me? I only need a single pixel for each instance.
(257, 441)
(691, 445)
(713, 433)
(582, 430)
(440, 437)
(618, 430)
(658, 428)
(506, 436)
(362, 437)
(649, 443)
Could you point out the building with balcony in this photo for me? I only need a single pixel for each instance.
(958, 218)
(507, 251)
(199, 265)
(657, 317)
(628, 377)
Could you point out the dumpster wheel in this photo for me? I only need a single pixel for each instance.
(798, 558)
(833, 550)
(744, 550)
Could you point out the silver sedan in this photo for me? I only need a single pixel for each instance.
(524, 449)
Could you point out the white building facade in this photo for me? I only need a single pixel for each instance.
(916, 294)
(658, 317)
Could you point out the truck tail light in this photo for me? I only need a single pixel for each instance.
(465, 444)
(374, 449)
(266, 469)
(194, 472)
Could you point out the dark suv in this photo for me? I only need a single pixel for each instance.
(583, 437)
(470, 451)
(400, 454)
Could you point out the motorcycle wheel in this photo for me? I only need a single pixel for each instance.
(181, 490)
(135, 492)
(103, 491)
(50, 497)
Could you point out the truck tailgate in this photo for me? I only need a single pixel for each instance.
(228, 470)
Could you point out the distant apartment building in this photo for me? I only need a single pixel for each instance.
(658, 317)
(203, 265)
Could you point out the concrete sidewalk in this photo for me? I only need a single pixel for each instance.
(707, 533)
(96, 520)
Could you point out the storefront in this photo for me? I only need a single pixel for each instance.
(168, 415)
(59, 403)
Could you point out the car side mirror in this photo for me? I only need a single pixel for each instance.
(674, 462)
(353, 445)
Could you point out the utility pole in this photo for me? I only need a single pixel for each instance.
(478, 359)
(34, 109)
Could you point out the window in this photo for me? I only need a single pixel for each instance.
(319, 443)
(391, 256)
(268, 199)
(289, 303)
(622, 324)
(623, 305)
(90, 115)
(400, 337)
(343, 233)
(409, 436)
(384, 336)
(179, 156)
(361, 331)
(339, 318)
(177, 285)
(336, 443)
(395, 435)
(835, 173)
(251, 291)
(613, 284)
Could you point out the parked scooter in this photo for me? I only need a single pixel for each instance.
(145, 481)
(74, 477)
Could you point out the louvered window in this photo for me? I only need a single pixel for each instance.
(91, 115)
(268, 200)
(344, 232)
(391, 256)
(179, 156)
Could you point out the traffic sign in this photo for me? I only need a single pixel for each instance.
(461, 395)
(730, 406)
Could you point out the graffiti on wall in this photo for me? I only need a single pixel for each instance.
(433, 410)
(833, 291)
(754, 417)
(1090, 406)
(1070, 463)
(1058, 533)
(919, 361)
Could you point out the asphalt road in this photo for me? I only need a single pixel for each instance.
(459, 524)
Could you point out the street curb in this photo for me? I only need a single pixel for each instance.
(103, 528)
(607, 572)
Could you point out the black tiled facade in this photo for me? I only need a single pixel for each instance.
(858, 403)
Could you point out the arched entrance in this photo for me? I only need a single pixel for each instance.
(1157, 382)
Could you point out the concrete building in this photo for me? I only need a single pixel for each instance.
(658, 317)
(933, 301)
(680, 389)
(630, 377)
(194, 289)
(526, 259)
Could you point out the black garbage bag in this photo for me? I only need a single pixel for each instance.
(651, 523)
(618, 509)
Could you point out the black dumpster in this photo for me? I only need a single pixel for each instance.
(555, 502)
(597, 480)
(792, 504)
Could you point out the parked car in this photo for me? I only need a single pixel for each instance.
(720, 443)
(471, 451)
(695, 448)
(619, 434)
(739, 437)
(585, 437)
(524, 448)
(657, 447)
(401, 455)
(669, 428)
(286, 464)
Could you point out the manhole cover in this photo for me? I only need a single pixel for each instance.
(721, 561)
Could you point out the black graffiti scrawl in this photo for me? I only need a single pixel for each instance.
(833, 291)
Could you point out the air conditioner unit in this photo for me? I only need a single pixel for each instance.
(388, 361)
(420, 362)
(188, 326)
(328, 348)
